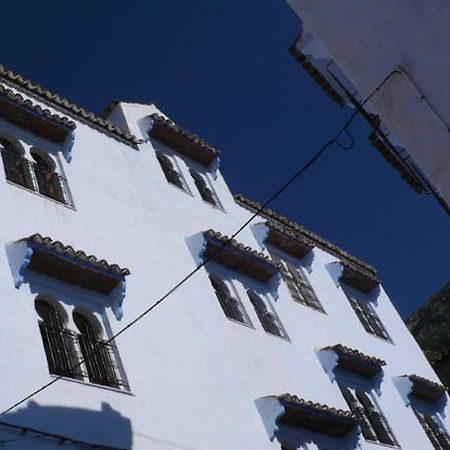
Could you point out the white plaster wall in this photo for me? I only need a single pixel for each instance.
(369, 40)
(194, 374)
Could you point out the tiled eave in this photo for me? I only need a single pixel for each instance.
(287, 240)
(67, 107)
(425, 389)
(167, 132)
(354, 361)
(396, 161)
(238, 257)
(326, 86)
(77, 255)
(22, 112)
(294, 229)
(316, 417)
(358, 277)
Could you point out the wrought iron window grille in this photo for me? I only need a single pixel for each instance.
(35, 177)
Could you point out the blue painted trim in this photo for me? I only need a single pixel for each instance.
(118, 296)
(68, 146)
(20, 276)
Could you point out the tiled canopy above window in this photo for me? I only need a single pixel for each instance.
(238, 257)
(53, 259)
(27, 115)
(296, 412)
(426, 390)
(167, 132)
(355, 361)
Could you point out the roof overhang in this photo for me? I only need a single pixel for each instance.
(53, 259)
(287, 240)
(238, 257)
(358, 277)
(355, 361)
(424, 389)
(167, 132)
(27, 115)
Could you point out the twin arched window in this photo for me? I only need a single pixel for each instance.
(39, 175)
(80, 354)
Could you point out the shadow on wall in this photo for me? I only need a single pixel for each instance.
(105, 429)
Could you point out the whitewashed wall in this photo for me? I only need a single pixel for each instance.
(369, 40)
(194, 374)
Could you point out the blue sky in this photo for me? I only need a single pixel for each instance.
(222, 70)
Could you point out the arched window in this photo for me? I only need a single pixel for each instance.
(268, 319)
(205, 192)
(98, 354)
(59, 343)
(48, 181)
(172, 176)
(231, 306)
(14, 163)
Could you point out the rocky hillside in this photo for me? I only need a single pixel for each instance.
(430, 324)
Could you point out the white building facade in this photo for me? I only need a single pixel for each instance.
(392, 52)
(281, 341)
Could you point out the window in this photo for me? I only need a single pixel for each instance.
(80, 354)
(206, 193)
(49, 183)
(434, 429)
(373, 424)
(39, 173)
(59, 342)
(14, 163)
(366, 314)
(168, 168)
(268, 319)
(297, 283)
(98, 354)
(231, 305)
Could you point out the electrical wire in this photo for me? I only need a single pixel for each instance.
(343, 131)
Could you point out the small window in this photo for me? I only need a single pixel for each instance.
(16, 166)
(168, 168)
(98, 354)
(434, 429)
(366, 314)
(59, 342)
(268, 319)
(206, 193)
(299, 287)
(231, 305)
(373, 424)
(49, 182)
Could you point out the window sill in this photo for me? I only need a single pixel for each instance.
(99, 386)
(40, 195)
(387, 340)
(381, 444)
(185, 191)
(319, 310)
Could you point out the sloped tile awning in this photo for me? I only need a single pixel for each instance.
(290, 410)
(355, 361)
(22, 112)
(358, 277)
(167, 132)
(424, 389)
(238, 257)
(288, 240)
(62, 262)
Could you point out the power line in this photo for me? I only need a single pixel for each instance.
(343, 132)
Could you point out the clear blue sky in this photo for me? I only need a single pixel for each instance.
(221, 69)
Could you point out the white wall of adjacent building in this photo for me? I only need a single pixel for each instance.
(407, 41)
(194, 375)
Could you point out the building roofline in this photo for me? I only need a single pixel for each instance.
(38, 92)
(292, 227)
